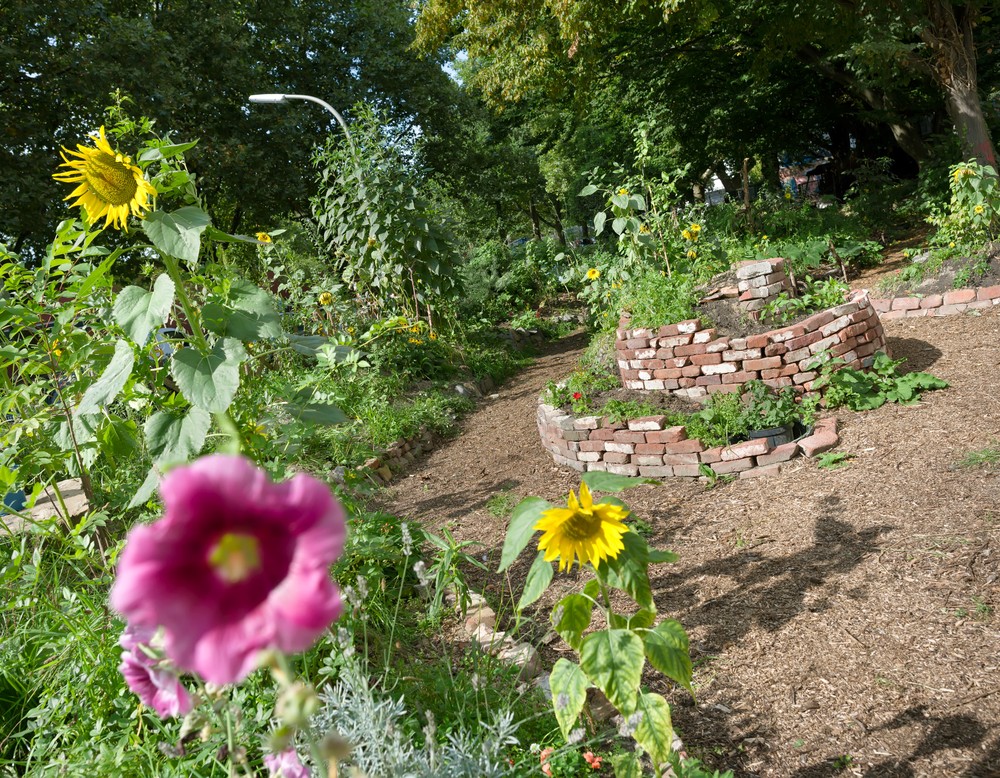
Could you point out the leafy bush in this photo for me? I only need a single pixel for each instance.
(722, 421)
(655, 299)
(818, 296)
(865, 390)
(972, 215)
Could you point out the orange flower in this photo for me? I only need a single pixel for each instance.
(592, 760)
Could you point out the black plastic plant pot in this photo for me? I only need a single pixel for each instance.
(776, 436)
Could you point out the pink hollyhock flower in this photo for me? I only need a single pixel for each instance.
(286, 765)
(544, 759)
(236, 564)
(156, 687)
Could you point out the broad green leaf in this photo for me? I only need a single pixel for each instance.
(569, 693)
(613, 660)
(117, 438)
(138, 312)
(166, 151)
(178, 233)
(145, 491)
(112, 380)
(588, 190)
(538, 580)
(667, 651)
(303, 408)
(654, 732)
(209, 381)
(522, 526)
(599, 218)
(307, 345)
(626, 766)
(240, 324)
(618, 225)
(175, 437)
(657, 556)
(610, 482)
(620, 200)
(641, 619)
(628, 571)
(97, 274)
(224, 237)
(574, 613)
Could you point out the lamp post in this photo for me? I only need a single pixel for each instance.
(283, 98)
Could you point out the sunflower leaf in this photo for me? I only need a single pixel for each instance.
(667, 650)
(574, 612)
(172, 437)
(613, 660)
(569, 687)
(166, 151)
(655, 732)
(628, 571)
(112, 381)
(145, 491)
(522, 526)
(626, 766)
(178, 233)
(610, 482)
(137, 311)
(538, 580)
(209, 381)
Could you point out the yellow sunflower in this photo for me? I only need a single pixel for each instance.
(582, 530)
(978, 209)
(692, 254)
(326, 298)
(687, 235)
(263, 237)
(695, 228)
(593, 274)
(110, 185)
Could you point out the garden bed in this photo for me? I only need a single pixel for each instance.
(648, 447)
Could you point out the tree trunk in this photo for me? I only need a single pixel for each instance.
(536, 228)
(557, 209)
(950, 37)
(729, 183)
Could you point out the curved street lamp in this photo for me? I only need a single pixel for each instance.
(283, 98)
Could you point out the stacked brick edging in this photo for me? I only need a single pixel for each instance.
(687, 359)
(955, 301)
(759, 283)
(647, 447)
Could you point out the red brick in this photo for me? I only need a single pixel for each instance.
(781, 453)
(725, 367)
(629, 436)
(737, 356)
(711, 455)
(635, 343)
(818, 442)
(589, 456)
(629, 375)
(716, 346)
(680, 459)
(615, 457)
(775, 350)
(853, 331)
(733, 466)
(688, 326)
(649, 448)
(674, 341)
(865, 349)
(803, 340)
(685, 383)
(905, 303)
(881, 306)
(843, 348)
(740, 377)
(748, 448)
(667, 331)
(703, 336)
(706, 359)
(605, 433)
(669, 435)
(777, 383)
(823, 344)
(686, 471)
(959, 296)
(988, 293)
(787, 334)
(684, 447)
(761, 472)
(765, 374)
(758, 341)
(804, 378)
(656, 472)
(693, 349)
(646, 460)
(796, 356)
(707, 380)
(647, 423)
(817, 320)
(932, 301)
(948, 310)
(737, 344)
(629, 470)
(762, 364)
(667, 373)
(725, 388)
(591, 445)
(691, 371)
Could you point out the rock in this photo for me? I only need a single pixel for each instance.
(525, 656)
(72, 494)
(385, 473)
(339, 474)
(600, 706)
(483, 615)
(488, 639)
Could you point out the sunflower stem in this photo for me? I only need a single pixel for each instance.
(194, 321)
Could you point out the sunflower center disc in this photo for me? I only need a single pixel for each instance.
(110, 180)
(582, 526)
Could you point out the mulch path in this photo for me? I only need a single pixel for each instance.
(842, 622)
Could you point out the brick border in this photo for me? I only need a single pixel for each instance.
(947, 304)
(647, 447)
(688, 359)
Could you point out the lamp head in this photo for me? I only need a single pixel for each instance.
(268, 98)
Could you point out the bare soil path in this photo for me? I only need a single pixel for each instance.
(842, 622)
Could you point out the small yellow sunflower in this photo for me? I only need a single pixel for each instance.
(326, 298)
(643, 230)
(593, 274)
(110, 185)
(582, 530)
(263, 237)
(695, 228)
(978, 209)
(623, 191)
(433, 336)
(687, 235)
(692, 254)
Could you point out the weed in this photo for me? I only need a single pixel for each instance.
(502, 503)
(984, 457)
(842, 762)
(833, 460)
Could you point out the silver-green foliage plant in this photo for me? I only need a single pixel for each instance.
(387, 242)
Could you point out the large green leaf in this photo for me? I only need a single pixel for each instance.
(569, 693)
(165, 151)
(600, 481)
(538, 580)
(613, 660)
(137, 311)
(588, 190)
(626, 766)
(242, 325)
(117, 438)
(175, 437)
(302, 407)
(628, 571)
(654, 732)
(178, 233)
(112, 381)
(522, 526)
(209, 381)
(146, 489)
(574, 613)
(667, 650)
(307, 345)
(599, 218)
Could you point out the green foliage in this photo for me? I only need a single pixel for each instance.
(766, 408)
(972, 215)
(833, 460)
(818, 296)
(623, 410)
(386, 241)
(865, 390)
(721, 422)
(988, 456)
(655, 299)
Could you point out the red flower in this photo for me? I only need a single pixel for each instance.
(577, 396)
(592, 760)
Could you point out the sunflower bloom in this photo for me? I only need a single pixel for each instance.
(109, 184)
(978, 209)
(263, 237)
(582, 530)
(695, 228)
(593, 274)
(326, 298)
